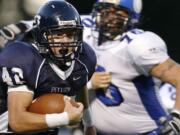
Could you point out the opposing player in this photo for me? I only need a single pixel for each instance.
(12, 31)
(130, 64)
(59, 62)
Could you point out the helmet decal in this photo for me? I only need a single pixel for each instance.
(70, 22)
(37, 19)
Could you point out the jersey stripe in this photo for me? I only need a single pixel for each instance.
(147, 93)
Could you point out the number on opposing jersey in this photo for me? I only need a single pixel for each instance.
(113, 98)
(128, 38)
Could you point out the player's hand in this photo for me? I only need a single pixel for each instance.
(90, 131)
(171, 125)
(100, 80)
(75, 113)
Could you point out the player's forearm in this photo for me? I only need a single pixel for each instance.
(82, 97)
(27, 122)
(169, 72)
(177, 102)
(87, 119)
(86, 98)
(32, 122)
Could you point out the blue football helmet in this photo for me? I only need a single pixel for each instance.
(58, 17)
(109, 19)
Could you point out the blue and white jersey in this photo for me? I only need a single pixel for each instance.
(131, 103)
(22, 68)
(168, 95)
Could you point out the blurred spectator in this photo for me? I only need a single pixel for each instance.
(30, 7)
(12, 11)
(9, 11)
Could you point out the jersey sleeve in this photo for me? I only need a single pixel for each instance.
(147, 50)
(19, 66)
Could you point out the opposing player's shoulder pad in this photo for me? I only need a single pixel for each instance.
(145, 43)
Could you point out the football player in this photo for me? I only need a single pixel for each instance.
(131, 63)
(59, 62)
(12, 31)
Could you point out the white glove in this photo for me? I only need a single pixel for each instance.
(171, 126)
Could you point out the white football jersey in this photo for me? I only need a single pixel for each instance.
(131, 103)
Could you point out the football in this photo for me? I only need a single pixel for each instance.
(49, 103)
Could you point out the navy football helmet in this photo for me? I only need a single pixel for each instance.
(109, 19)
(58, 17)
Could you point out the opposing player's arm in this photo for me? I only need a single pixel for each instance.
(20, 120)
(10, 32)
(87, 120)
(82, 97)
(169, 71)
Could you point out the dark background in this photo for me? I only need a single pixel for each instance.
(159, 16)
